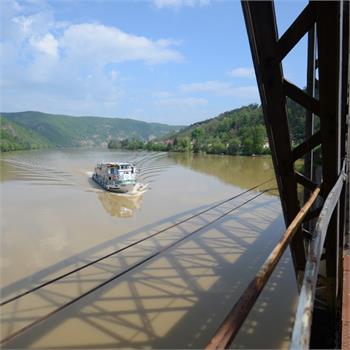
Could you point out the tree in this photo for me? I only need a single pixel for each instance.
(259, 135)
(185, 144)
(198, 134)
(218, 147)
(247, 145)
(198, 137)
(124, 143)
(114, 144)
(234, 145)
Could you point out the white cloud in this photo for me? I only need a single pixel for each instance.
(16, 6)
(222, 88)
(246, 92)
(113, 74)
(182, 102)
(38, 23)
(207, 86)
(61, 67)
(23, 22)
(9, 9)
(46, 44)
(170, 99)
(242, 72)
(179, 3)
(105, 44)
(162, 94)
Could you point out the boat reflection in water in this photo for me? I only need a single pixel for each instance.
(120, 205)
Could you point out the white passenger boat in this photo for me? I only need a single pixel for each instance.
(116, 177)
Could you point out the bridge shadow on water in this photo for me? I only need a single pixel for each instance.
(175, 300)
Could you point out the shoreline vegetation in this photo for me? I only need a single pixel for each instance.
(237, 132)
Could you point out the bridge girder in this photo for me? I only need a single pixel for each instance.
(327, 98)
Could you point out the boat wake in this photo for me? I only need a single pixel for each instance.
(34, 173)
(138, 190)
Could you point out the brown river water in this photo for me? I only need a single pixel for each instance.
(55, 219)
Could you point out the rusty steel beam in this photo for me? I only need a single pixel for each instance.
(307, 147)
(296, 31)
(345, 78)
(234, 320)
(263, 38)
(303, 318)
(327, 25)
(314, 213)
(302, 98)
(345, 81)
(345, 344)
(306, 182)
(328, 32)
(309, 116)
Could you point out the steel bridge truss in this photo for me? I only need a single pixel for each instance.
(326, 102)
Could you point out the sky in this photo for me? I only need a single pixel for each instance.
(167, 61)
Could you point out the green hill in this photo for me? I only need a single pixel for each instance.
(240, 131)
(66, 131)
(14, 137)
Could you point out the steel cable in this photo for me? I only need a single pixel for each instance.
(43, 318)
(126, 247)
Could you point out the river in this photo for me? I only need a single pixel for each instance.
(55, 219)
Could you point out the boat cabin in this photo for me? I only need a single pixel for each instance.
(115, 173)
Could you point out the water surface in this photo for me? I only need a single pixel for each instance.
(54, 219)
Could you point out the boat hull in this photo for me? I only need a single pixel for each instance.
(118, 188)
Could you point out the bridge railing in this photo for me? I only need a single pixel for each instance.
(303, 319)
(326, 125)
(302, 328)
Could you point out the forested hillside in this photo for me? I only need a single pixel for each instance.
(14, 137)
(26, 130)
(240, 131)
